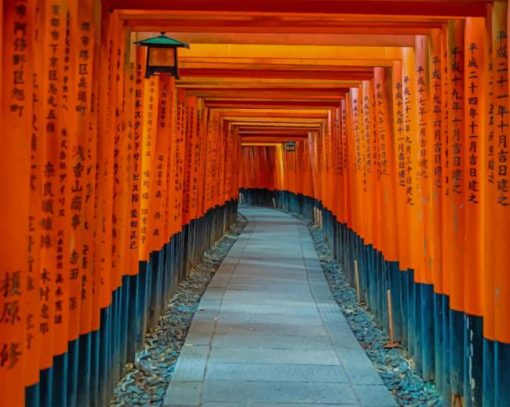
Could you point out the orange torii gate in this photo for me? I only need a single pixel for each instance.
(106, 173)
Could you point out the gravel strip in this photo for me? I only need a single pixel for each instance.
(393, 365)
(146, 380)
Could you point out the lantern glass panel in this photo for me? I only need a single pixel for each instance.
(162, 57)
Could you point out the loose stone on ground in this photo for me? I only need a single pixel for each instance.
(147, 379)
(393, 365)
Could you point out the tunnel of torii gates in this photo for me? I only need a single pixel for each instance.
(113, 185)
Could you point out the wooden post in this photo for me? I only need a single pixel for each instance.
(356, 279)
(390, 315)
(392, 343)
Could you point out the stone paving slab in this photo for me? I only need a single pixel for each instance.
(283, 392)
(289, 328)
(276, 372)
(283, 356)
(270, 341)
(269, 333)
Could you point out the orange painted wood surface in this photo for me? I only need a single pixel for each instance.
(399, 111)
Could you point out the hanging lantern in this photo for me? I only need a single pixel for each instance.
(162, 55)
(290, 147)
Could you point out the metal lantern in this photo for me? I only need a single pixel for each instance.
(290, 147)
(162, 55)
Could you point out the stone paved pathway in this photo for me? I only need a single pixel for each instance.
(268, 332)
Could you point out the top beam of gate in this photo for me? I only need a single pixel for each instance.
(443, 8)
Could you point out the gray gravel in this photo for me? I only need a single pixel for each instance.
(147, 379)
(393, 365)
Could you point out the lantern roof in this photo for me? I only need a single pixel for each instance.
(163, 41)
